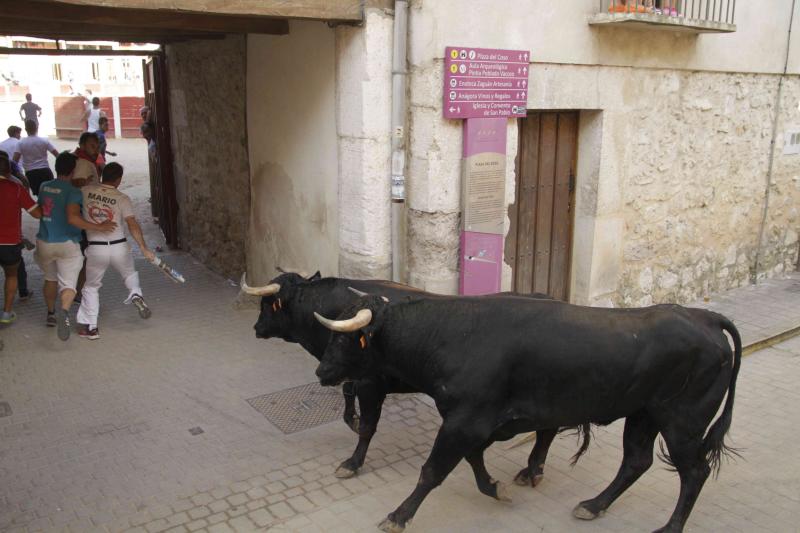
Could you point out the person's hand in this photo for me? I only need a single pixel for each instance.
(148, 254)
(106, 227)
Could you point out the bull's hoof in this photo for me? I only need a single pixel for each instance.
(344, 472)
(355, 423)
(523, 479)
(503, 493)
(582, 513)
(390, 526)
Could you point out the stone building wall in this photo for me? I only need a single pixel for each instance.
(671, 185)
(693, 186)
(209, 140)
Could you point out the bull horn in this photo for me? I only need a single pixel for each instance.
(362, 318)
(302, 273)
(266, 290)
(362, 294)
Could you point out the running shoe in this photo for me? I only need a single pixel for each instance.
(62, 320)
(51, 320)
(141, 306)
(7, 317)
(89, 333)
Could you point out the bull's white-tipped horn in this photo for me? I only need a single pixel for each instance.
(266, 290)
(362, 294)
(362, 318)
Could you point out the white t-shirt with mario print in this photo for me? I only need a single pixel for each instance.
(105, 202)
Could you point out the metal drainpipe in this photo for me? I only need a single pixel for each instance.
(754, 273)
(398, 133)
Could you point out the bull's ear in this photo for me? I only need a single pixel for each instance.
(365, 337)
(316, 276)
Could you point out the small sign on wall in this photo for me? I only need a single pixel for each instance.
(791, 143)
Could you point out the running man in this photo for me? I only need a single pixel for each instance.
(14, 198)
(103, 203)
(57, 251)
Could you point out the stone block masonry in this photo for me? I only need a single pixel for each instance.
(209, 144)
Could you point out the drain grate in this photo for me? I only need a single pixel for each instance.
(300, 408)
(5, 409)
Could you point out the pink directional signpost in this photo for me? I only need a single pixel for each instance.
(486, 87)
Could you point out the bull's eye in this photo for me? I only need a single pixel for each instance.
(274, 307)
(279, 304)
(363, 342)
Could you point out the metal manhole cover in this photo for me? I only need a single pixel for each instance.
(5, 409)
(299, 408)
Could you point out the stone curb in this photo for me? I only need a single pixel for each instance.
(770, 341)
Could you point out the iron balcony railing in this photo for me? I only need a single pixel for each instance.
(714, 11)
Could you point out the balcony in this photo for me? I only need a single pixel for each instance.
(694, 16)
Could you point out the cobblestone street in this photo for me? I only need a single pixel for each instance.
(149, 429)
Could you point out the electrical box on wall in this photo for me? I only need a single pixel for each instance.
(791, 141)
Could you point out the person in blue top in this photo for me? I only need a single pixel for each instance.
(58, 253)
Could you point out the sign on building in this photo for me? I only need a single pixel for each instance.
(485, 82)
(486, 87)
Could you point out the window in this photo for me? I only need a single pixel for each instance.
(95, 71)
(57, 71)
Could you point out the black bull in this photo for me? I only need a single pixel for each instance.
(289, 315)
(507, 365)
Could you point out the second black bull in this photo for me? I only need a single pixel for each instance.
(288, 304)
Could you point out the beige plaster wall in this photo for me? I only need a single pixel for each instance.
(209, 144)
(291, 127)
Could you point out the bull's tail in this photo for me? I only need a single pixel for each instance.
(714, 446)
(584, 434)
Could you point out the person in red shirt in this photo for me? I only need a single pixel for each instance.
(13, 199)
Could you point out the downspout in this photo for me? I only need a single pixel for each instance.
(754, 272)
(398, 134)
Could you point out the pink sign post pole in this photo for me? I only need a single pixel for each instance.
(486, 87)
(481, 260)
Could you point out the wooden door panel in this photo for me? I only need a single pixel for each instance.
(544, 204)
(562, 216)
(529, 160)
(541, 219)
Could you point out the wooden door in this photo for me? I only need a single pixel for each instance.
(162, 180)
(539, 242)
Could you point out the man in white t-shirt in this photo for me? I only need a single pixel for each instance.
(92, 115)
(103, 202)
(33, 151)
(9, 146)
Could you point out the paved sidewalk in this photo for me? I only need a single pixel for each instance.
(760, 311)
(149, 429)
